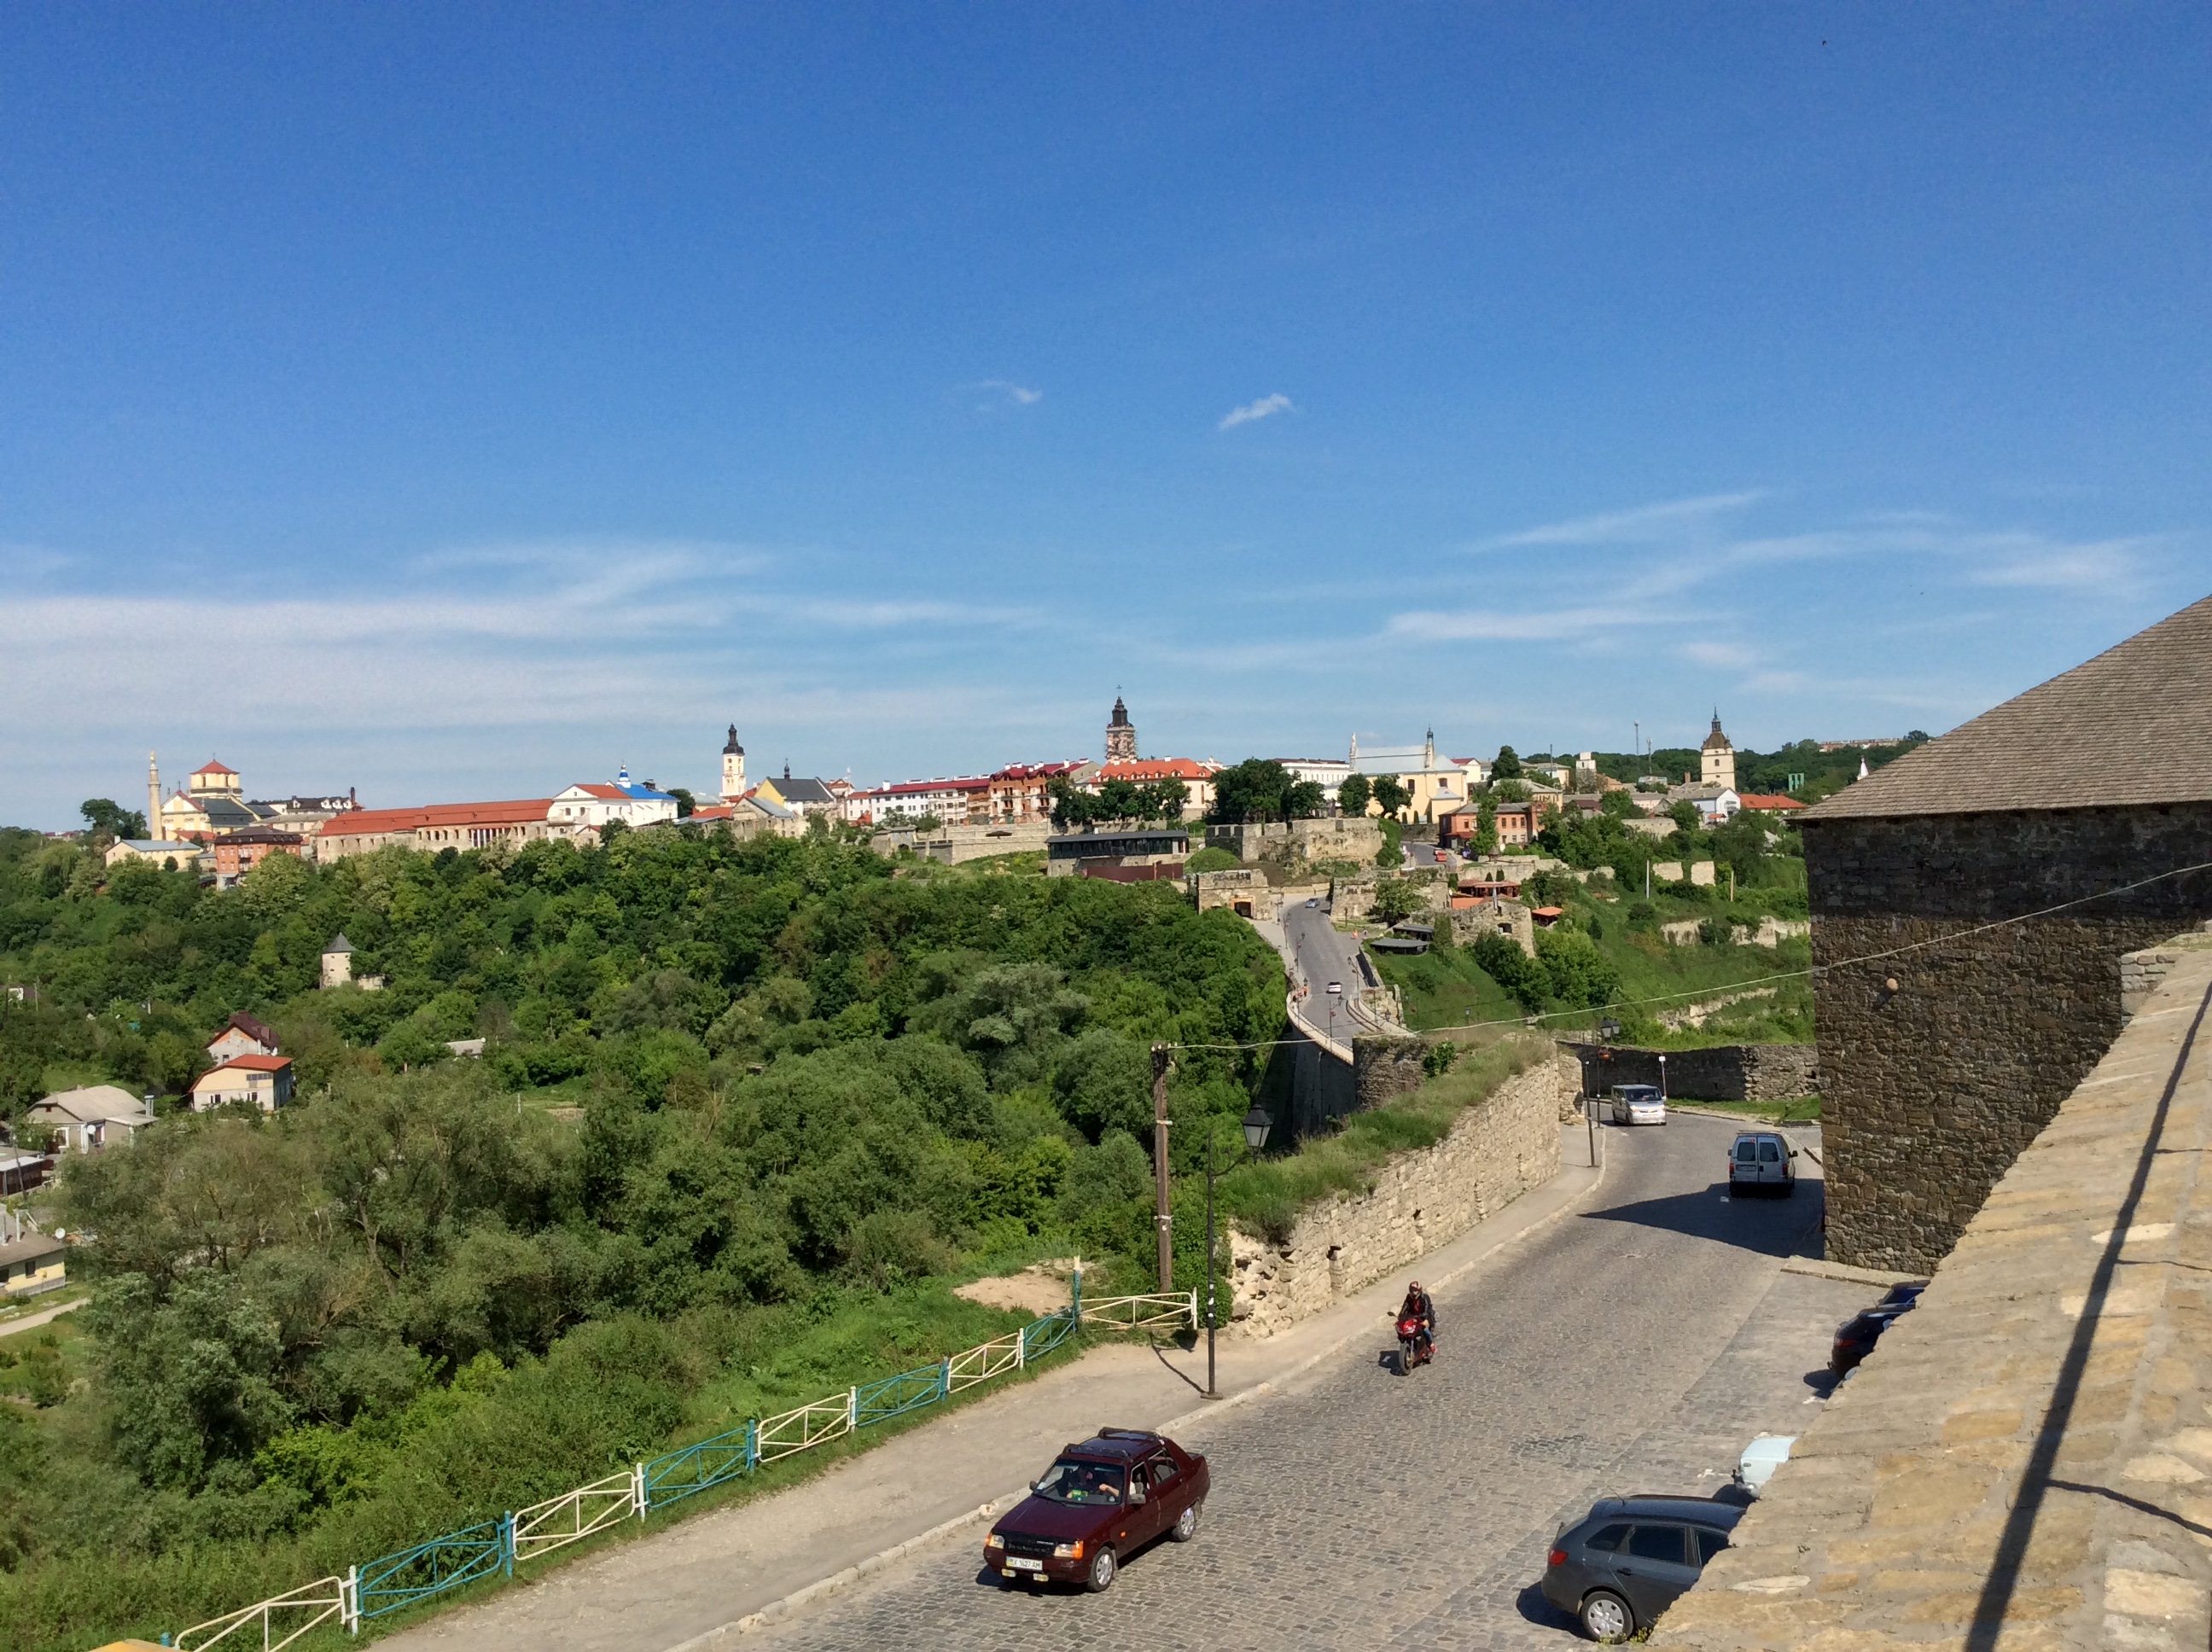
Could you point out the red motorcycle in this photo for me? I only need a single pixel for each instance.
(1415, 1345)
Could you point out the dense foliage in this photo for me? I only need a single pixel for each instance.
(1260, 789)
(731, 1096)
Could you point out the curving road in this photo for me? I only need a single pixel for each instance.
(1633, 1348)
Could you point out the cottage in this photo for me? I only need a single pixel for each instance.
(261, 1081)
(30, 1261)
(243, 1035)
(91, 1118)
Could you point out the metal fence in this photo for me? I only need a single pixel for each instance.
(394, 1581)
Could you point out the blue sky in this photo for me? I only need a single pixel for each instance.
(460, 401)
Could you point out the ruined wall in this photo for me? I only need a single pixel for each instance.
(1725, 1073)
(1501, 1146)
(1932, 1086)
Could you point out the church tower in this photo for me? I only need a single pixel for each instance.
(1717, 757)
(152, 797)
(1121, 735)
(734, 768)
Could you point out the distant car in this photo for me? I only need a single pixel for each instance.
(1102, 1500)
(1636, 1104)
(1759, 1161)
(1765, 1453)
(1855, 1336)
(1624, 1562)
(1440, 857)
(1314, 902)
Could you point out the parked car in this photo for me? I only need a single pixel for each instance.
(1765, 1453)
(1100, 1502)
(1761, 1160)
(1636, 1104)
(1624, 1562)
(1855, 1336)
(1440, 857)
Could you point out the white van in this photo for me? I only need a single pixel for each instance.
(1636, 1104)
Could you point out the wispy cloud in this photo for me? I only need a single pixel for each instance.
(1499, 625)
(1002, 392)
(1659, 523)
(1266, 408)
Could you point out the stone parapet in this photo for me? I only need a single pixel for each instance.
(1500, 1148)
(2025, 1459)
(1725, 1073)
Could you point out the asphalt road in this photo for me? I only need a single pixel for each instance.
(1322, 955)
(1633, 1348)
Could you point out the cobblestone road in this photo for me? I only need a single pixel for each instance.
(1634, 1348)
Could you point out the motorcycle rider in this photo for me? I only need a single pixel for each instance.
(1418, 1306)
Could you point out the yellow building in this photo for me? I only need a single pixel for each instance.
(1437, 786)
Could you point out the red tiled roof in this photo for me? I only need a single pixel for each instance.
(1768, 801)
(213, 766)
(909, 788)
(372, 823)
(1156, 769)
(248, 1064)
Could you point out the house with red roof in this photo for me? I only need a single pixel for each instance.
(261, 1081)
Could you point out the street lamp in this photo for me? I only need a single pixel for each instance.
(1256, 1126)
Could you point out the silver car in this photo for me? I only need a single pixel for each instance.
(1636, 1104)
(1760, 1161)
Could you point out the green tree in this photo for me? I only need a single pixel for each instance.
(1071, 806)
(1395, 899)
(686, 804)
(1352, 793)
(1508, 766)
(110, 820)
(1390, 794)
(1256, 789)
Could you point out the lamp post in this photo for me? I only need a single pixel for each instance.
(1663, 1076)
(1607, 1029)
(1256, 1126)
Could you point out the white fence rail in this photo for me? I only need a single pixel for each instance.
(576, 1515)
(319, 1601)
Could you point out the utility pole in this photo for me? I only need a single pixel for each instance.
(1165, 1218)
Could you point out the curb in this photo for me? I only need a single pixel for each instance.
(776, 1611)
(1813, 1268)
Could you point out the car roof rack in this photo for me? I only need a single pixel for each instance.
(1125, 1434)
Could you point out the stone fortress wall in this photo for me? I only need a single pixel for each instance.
(1501, 1147)
(1939, 1065)
(2025, 1459)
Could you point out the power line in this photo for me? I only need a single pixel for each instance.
(1786, 975)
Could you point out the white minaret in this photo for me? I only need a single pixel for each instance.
(153, 798)
(734, 768)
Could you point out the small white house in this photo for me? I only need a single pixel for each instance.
(589, 804)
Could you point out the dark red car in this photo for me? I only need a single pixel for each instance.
(1097, 1504)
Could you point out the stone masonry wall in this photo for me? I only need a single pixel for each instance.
(1931, 1086)
(2025, 1460)
(1725, 1073)
(1501, 1146)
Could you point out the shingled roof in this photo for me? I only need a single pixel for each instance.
(2124, 729)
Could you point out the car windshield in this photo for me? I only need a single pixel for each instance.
(1070, 1481)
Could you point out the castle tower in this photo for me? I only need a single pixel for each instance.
(734, 768)
(1717, 757)
(1121, 735)
(152, 797)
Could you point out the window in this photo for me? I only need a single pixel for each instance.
(1608, 1540)
(1160, 1471)
(1709, 1542)
(1656, 1543)
(1747, 1152)
(1770, 1153)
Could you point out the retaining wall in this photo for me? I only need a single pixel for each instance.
(1725, 1073)
(1501, 1146)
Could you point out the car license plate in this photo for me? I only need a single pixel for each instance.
(1025, 1565)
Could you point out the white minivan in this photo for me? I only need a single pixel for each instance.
(1637, 1104)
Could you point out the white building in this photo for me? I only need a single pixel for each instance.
(592, 804)
(1327, 773)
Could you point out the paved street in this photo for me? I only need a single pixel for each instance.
(1634, 1347)
(1319, 955)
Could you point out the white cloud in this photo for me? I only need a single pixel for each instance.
(1496, 625)
(1265, 407)
(1727, 655)
(1661, 523)
(1004, 392)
